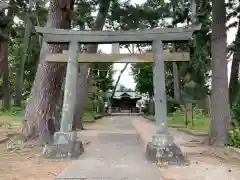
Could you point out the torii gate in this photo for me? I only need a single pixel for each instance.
(162, 138)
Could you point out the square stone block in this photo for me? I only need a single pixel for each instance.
(65, 146)
(171, 154)
(61, 151)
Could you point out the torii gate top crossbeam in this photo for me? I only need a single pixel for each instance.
(102, 37)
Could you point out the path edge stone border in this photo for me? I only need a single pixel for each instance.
(192, 132)
(220, 152)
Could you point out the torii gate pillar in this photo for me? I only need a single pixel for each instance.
(162, 147)
(162, 136)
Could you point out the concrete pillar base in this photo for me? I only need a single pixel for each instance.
(162, 149)
(65, 145)
(162, 139)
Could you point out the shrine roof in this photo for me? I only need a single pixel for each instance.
(130, 94)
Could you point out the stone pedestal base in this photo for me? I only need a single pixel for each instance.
(171, 154)
(162, 149)
(65, 146)
(62, 151)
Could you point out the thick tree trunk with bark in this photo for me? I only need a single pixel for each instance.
(84, 85)
(233, 84)
(5, 30)
(220, 96)
(5, 73)
(24, 56)
(41, 105)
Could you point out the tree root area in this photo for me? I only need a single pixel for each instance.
(21, 161)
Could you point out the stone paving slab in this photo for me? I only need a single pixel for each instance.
(114, 156)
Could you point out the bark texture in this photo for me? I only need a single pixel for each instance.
(41, 105)
(5, 73)
(5, 29)
(24, 56)
(176, 83)
(220, 96)
(83, 84)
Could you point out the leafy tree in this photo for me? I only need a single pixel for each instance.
(195, 72)
(143, 76)
(105, 77)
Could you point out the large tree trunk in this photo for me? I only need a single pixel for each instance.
(220, 97)
(5, 73)
(84, 81)
(233, 84)
(41, 105)
(84, 85)
(24, 56)
(176, 83)
(4, 36)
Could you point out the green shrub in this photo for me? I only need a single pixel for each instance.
(236, 113)
(234, 134)
(234, 137)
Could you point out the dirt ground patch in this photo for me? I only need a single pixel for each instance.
(9, 118)
(26, 164)
(4, 118)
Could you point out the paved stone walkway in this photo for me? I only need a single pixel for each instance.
(117, 153)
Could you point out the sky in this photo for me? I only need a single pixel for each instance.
(126, 78)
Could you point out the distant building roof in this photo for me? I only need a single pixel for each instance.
(130, 94)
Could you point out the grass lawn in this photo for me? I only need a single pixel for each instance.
(199, 124)
(11, 117)
(15, 117)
